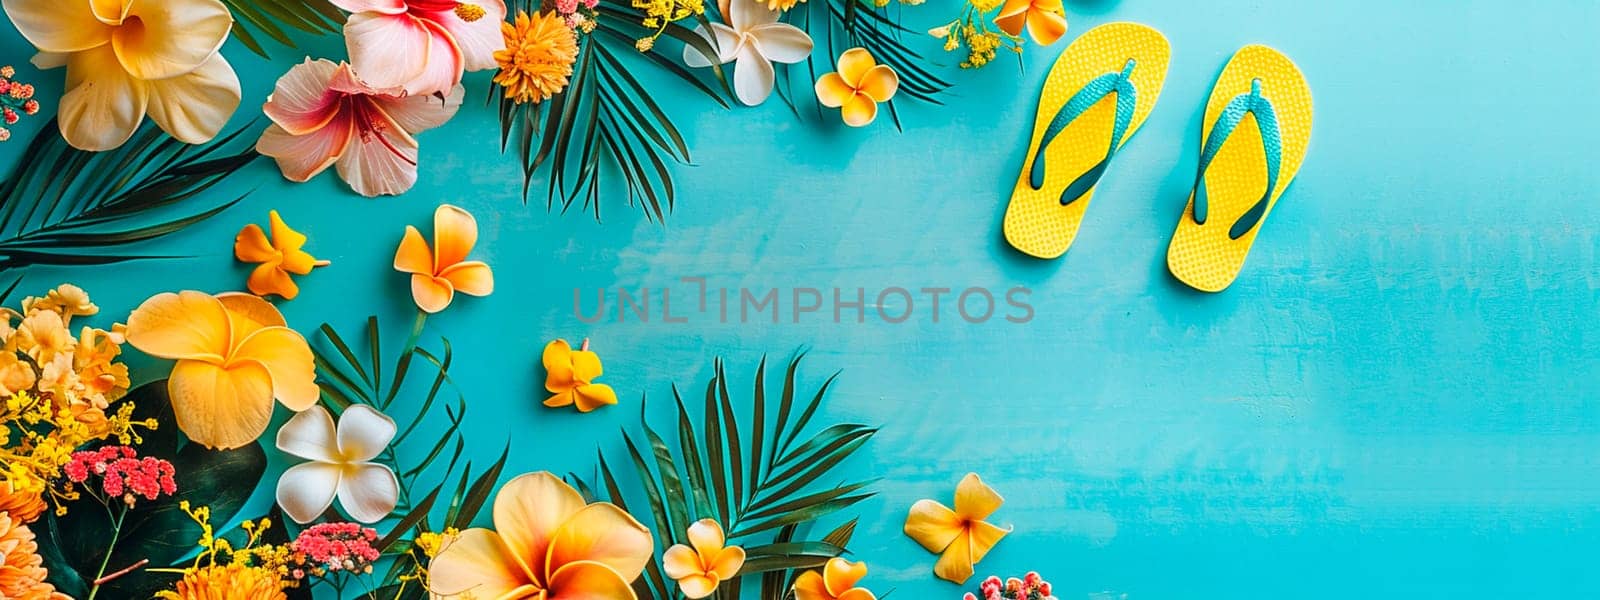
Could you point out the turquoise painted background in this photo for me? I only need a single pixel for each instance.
(1396, 399)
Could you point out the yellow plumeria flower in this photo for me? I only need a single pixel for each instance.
(961, 536)
(277, 258)
(857, 88)
(837, 581)
(570, 377)
(709, 562)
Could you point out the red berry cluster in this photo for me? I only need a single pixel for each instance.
(335, 548)
(122, 473)
(1030, 587)
(14, 96)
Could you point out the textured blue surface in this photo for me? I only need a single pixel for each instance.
(1396, 399)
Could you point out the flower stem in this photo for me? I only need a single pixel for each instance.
(100, 576)
(124, 571)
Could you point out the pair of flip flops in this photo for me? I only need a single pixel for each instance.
(1256, 129)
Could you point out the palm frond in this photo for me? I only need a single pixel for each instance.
(64, 206)
(761, 480)
(276, 19)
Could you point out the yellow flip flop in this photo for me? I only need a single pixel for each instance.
(1096, 96)
(1257, 127)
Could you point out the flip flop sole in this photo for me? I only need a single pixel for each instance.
(1036, 223)
(1205, 256)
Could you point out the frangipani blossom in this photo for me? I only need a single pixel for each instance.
(322, 115)
(548, 545)
(437, 274)
(235, 355)
(837, 581)
(129, 58)
(700, 568)
(570, 376)
(422, 46)
(753, 39)
(1044, 20)
(277, 258)
(857, 88)
(961, 536)
(340, 464)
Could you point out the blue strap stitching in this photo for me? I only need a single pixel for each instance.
(1272, 145)
(1085, 98)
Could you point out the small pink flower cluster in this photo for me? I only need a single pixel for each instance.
(1030, 587)
(335, 548)
(14, 96)
(578, 14)
(122, 473)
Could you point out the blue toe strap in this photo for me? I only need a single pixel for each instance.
(1271, 141)
(1081, 102)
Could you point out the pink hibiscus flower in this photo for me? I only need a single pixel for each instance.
(422, 46)
(322, 115)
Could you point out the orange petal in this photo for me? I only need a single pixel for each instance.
(840, 575)
(695, 587)
(857, 594)
(933, 525)
(562, 399)
(248, 313)
(454, 234)
(859, 110)
(471, 277)
(984, 536)
(221, 408)
(880, 83)
(594, 395)
(955, 564)
(726, 564)
(288, 358)
(1013, 16)
(290, 242)
(413, 255)
(706, 537)
(974, 499)
(558, 368)
(604, 534)
(853, 65)
(432, 294)
(809, 586)
(270, 278)
(681, 561)
(251, 245)
(477, 561)
(1046, 27)
(586, 366)
(528, 510)
(587, 580)
(189, 325)
(832, 91)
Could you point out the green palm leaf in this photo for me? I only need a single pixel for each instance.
(749, 475)
(276, 19)
(64, 206)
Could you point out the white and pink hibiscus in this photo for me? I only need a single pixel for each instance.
(323, 115)
(422, 46)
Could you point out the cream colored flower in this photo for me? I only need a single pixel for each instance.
(340, 464)
(753, 39)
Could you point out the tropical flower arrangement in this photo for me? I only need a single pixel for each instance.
(115, 490)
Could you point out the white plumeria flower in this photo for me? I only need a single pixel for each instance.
(340, 464)
(754, 39)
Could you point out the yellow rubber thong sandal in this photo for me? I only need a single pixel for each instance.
(1096, 96)
(1257, 127)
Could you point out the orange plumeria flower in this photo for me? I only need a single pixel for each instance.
(1044, 19)
(961, 536)
(570, 377)
(858, 87)
(837, 581)
(235, 355)
(278, 258)
(437, 274)
(705, 563)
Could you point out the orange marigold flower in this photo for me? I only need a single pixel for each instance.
(227, 582)
(23, 506)
(540, 51)
(21, 568)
